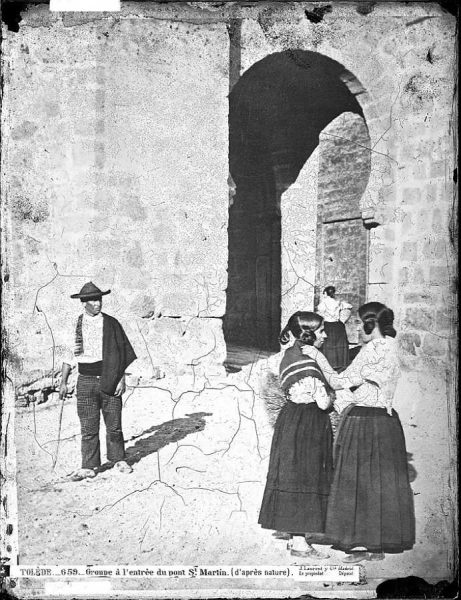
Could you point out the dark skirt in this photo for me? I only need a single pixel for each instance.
(336, 347)
(371, 501)
(300, 471)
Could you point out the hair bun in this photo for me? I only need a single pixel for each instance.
(284, 336)
(308, 337)
(301, 325)
(386, 322)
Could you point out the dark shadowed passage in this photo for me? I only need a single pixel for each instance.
(277, 112)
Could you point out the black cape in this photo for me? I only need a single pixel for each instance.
(117, 354)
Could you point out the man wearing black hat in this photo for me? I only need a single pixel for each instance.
(102, 353)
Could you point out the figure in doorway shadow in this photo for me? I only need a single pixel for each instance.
(335, 313)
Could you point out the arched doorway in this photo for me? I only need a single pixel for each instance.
(277, 112)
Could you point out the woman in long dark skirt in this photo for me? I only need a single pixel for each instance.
(300, 466)
(335, 313)
(370, 507)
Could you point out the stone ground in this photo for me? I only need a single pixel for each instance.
(199, 464)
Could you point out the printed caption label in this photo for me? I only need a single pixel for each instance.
(330, 573)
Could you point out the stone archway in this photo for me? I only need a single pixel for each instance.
(277, 112)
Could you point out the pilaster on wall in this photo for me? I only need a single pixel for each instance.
(342, 252)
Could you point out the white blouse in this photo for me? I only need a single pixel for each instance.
(92, 341)
(330, 309)
(309, 390)
(375, 371)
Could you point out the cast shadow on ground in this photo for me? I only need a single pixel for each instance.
(162, 435)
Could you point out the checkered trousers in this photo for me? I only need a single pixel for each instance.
(91, 401)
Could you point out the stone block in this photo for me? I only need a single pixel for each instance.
(445, 319)
(143, 306)
(431, 192)
(72, 19)
(436, 219)
(380, 263)
(388, 195)
(433, 249)
(439, 275)
(420, 170)
(23, 401)
(405, 218)
(438, 168)
(410, 362)
(417, 297)
(435, 345)
(84, 128)
(99, 155)
(409, 252)
(83, 156)
(406, 153)
(418, 276)
(408, 342)
(419, 318)
(423, 218)
(24, 131)
(381, 292)
(389, 234)
(26, 210)
(411, 195)
(403, 275)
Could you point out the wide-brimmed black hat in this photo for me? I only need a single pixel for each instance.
(89, 291)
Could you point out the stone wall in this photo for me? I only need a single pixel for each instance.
(115, 171)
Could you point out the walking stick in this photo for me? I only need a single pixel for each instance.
(59, 432)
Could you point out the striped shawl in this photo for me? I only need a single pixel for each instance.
(295, 366)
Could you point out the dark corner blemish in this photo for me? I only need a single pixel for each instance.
(11, 14)
(429, 56)
(5, 572)
(455, 174)
(9, 529)
(316, 15)
(450, 6)
(365, 8)
(415, 587)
